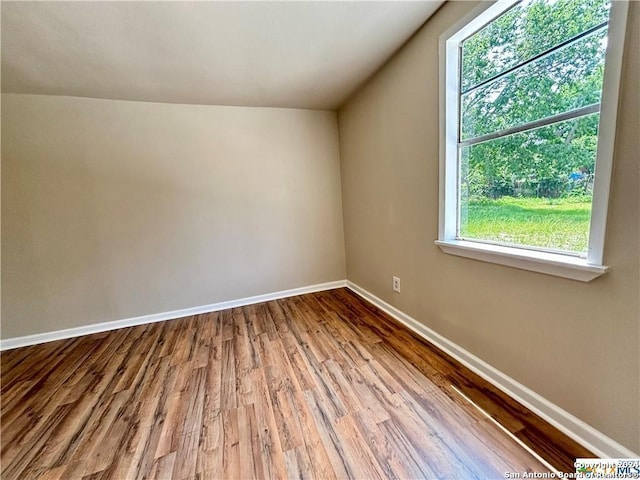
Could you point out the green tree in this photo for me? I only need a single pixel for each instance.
(539, 162)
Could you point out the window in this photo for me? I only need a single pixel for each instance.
(529, 95)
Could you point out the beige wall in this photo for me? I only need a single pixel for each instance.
(115, 209)
(576, 344)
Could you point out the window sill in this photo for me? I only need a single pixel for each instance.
(542, 262)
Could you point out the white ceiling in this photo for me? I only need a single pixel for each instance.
(279, 54)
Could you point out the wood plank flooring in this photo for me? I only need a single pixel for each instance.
(317, 386)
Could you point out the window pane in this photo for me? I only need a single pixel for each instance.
(567, 79)
(532, 188)
(524, 31)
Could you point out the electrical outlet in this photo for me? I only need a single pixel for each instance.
(396, 284)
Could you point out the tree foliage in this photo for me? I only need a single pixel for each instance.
(536, 162)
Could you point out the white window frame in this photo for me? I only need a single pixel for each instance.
(551, 263)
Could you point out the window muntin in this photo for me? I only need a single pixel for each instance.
(567, 79)
(502, 46)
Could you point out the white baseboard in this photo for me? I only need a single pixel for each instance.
(27, 340)
(570, 425)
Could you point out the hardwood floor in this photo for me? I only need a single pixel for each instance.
(316, 386)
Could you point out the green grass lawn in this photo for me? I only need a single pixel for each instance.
(561, 224)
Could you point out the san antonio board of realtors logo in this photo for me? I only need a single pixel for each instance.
(590, 468)
(607, 468)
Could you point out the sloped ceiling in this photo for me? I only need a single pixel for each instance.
(278, 54)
